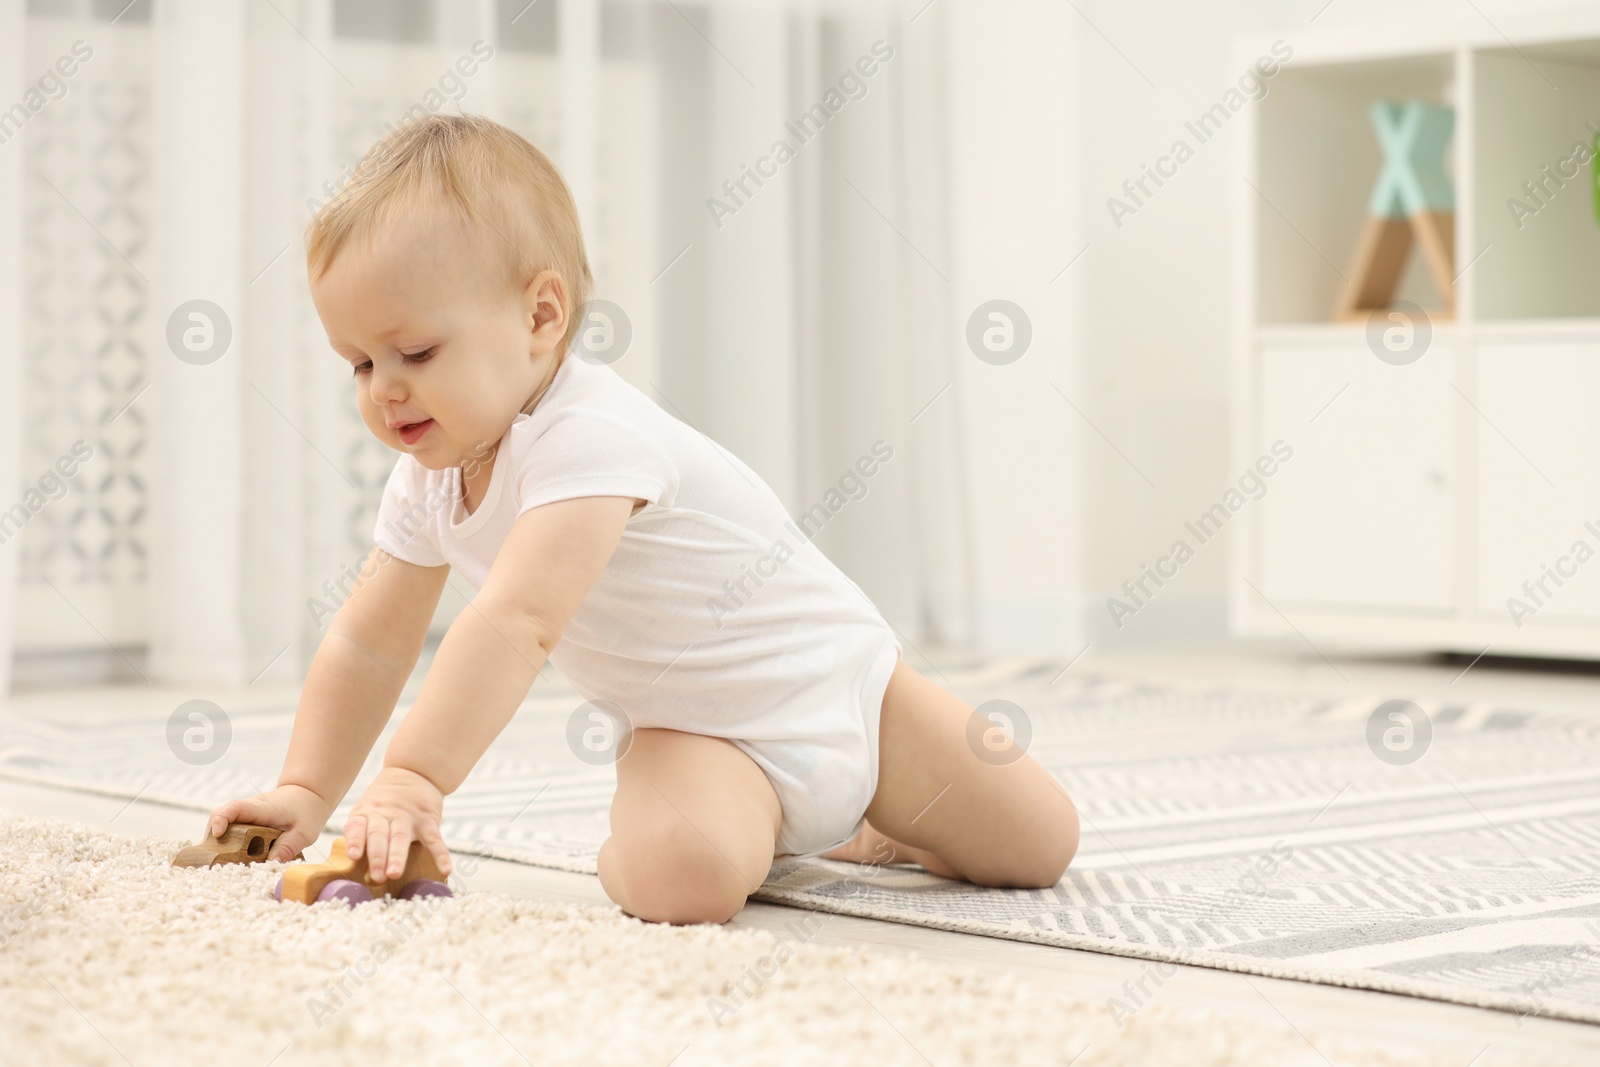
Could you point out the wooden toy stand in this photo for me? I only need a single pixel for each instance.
(1413, 203)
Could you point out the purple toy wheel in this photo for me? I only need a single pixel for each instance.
(352, 893)
(277, 892)
(425, 887)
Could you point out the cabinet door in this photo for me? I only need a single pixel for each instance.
(1361, 516)
(1539, 479)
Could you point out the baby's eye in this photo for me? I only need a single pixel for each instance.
(411, 357)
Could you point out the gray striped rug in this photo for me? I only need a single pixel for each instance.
(1255, 833)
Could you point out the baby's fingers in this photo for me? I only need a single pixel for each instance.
(377, 846)
(355, 836)
(219, 818)
(249, 810)
(399, 848)
(430, 837)
(290, 844)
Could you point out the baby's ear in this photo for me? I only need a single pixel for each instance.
(546, 300)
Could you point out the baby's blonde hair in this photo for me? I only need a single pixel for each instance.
(490, 175)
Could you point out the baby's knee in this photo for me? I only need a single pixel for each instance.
(1041, 861)
(1059, 847)
(671, 874)
(1054, 852)
(1067, 839)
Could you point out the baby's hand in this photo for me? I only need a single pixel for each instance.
(399, 807)
(294, 809)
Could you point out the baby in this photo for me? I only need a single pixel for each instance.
(602, 534)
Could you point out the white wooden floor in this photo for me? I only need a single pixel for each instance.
(1472, 1036)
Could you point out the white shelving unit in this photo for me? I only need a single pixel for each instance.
(1422, 496)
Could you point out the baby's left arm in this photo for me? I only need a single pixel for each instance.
(485, 665)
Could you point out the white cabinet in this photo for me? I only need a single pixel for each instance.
(1539, 482)
(1423, 497)
(1361, 515)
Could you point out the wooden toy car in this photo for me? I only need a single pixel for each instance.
(239, 843)
(342, 878)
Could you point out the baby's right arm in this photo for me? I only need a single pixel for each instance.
(355, 680)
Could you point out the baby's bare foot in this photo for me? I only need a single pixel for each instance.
(871, 845)
(860, 848)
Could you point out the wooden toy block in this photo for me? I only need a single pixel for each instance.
(239, 843)
(343, 878)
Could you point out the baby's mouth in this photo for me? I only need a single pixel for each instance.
(412, 432)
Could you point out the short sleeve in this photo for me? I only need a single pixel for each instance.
(586, 452)
(405, 519)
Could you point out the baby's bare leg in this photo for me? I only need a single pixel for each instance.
(693, 827)
(994, 820)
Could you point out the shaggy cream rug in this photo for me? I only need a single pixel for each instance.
(110, 956)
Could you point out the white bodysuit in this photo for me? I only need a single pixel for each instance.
(716, 615)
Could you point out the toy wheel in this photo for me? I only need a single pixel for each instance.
(352, 893)
(425, 887)
(277, 892)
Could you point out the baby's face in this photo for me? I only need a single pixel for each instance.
(443, 350)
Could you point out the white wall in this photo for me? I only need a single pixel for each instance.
(1157, 301)
(1014, 158)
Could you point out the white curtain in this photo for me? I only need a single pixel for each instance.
(798, 325)
(13, 24)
